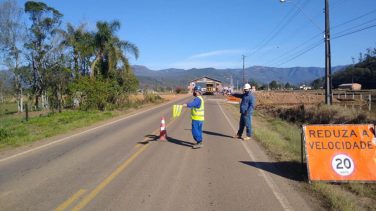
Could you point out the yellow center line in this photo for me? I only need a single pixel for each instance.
(108, 180)
(112, 176)
(70, 200)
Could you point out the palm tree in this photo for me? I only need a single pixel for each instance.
(109, 49)
(72, 38)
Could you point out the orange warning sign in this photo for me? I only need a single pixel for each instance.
(340, 152)
(232, 99)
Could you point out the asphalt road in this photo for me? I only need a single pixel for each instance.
(120, 166)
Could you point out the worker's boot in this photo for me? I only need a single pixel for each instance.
(237, 136)
(198, 145)
(246, 138)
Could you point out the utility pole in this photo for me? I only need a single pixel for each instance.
(243, 70)
(328, 65)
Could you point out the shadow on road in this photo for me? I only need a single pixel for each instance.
(169, 139)
(214, 134)
(179, 142)
(288, 169)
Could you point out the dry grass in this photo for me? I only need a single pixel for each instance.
(322, 114)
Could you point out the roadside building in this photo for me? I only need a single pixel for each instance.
(202, 81)
(304, 87)
(352, 86)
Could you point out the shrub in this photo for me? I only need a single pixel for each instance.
(322, 114)
(178, 90)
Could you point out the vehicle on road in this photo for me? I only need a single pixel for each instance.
(209, 88)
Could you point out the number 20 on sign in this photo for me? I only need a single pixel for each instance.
(340, 152)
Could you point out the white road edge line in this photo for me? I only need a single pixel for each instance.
(57, 141)
(281, 198)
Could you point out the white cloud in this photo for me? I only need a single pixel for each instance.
(217, 53)
(205, 64)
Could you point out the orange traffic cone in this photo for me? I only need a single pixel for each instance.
(163, 133)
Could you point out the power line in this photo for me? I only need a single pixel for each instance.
(368, 27)
(354, 27)
(295, 48)
(280, 30)
(275, 28)
(296, 55)
(354, 19)
(317, 44)
(337, 34)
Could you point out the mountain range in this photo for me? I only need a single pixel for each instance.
(179, 77)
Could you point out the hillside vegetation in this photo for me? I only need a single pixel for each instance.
(363, 72)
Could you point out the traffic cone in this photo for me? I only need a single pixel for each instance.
(163, 133)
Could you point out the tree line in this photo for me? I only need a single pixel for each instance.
(273, 85)
(52, 61)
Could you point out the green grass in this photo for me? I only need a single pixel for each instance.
(17, 132)
(336, 197)
(8, 108)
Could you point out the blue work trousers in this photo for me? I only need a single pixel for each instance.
(245, 121)
(197, 130)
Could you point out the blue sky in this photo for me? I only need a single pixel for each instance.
(207, 33)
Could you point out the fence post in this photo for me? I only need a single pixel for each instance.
(353, 96)
(345, 95)
(360, 96)
(27, 112)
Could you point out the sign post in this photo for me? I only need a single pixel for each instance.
(340, 153)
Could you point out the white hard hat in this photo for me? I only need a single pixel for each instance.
(247, 86)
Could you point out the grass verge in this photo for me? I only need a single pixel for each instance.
(17, 132)
(282, 140)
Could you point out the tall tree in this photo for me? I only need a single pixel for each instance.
(74, 37)
(273, 85)
(12, 38)
(45, 22)
(109, 49)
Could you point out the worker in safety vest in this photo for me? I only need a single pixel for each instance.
(197, 116)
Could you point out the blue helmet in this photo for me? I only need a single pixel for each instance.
(198, 88)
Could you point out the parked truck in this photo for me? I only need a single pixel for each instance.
(209, 88)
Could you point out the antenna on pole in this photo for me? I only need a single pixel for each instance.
(243, 70)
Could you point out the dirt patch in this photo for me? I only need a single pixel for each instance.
(275, 98)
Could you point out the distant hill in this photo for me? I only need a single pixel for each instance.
(178, 77)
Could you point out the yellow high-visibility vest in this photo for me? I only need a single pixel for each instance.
(198, 113)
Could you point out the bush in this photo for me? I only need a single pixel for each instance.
(178, 90)
(152, 98)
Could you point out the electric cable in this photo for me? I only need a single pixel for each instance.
(359, 30)
(280, 30)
